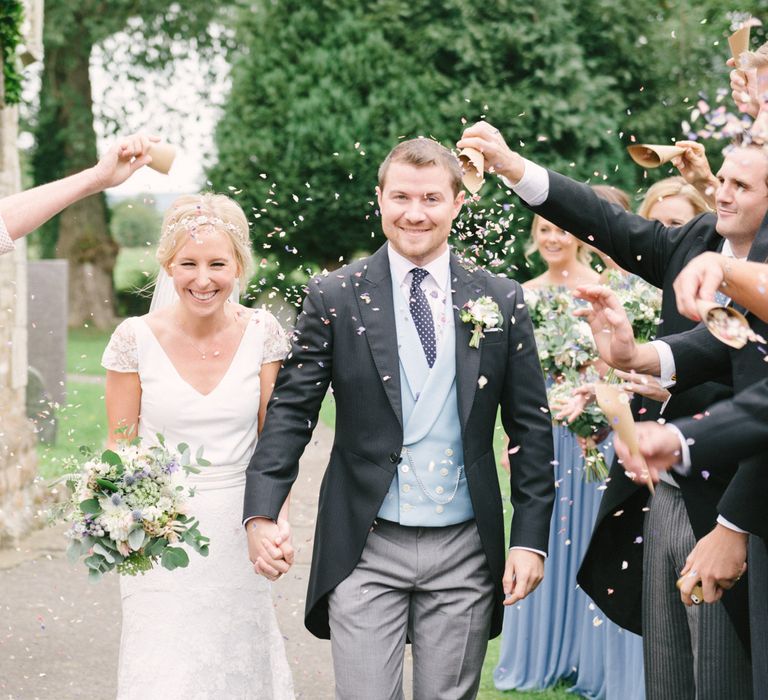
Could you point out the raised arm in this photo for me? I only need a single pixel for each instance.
(23, 212)
(636, 244)
(744, 282)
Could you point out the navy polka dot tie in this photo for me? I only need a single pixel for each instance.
(422, 315)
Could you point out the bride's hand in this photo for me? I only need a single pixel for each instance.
(267, 558)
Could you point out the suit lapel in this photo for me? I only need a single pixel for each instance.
(377, 312)
(758, 251)
(465, 286)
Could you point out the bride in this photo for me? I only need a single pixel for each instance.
(200, 369)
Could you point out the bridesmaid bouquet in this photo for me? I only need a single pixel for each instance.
(591, 424)
(641, 302)
(127, 509)
(564, 342)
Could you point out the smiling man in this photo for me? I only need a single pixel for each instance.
(409, 540)
(687, 653)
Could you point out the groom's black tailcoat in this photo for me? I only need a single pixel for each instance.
(346, 336)
(611, 572)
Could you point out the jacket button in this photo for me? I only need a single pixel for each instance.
(394, 458)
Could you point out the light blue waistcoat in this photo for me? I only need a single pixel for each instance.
(433, 455)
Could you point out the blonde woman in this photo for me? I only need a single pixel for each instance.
(673, 202)
(555, 624)
(200, 369)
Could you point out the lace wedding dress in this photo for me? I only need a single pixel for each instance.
(208, 631)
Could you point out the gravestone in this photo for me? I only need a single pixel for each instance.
(47, 323)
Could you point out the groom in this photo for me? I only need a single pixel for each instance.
(410, 539)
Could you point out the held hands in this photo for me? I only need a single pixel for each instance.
(699, 279)
(269, 547)
(718, 560)
(659, 447)
(523, 572)
(499, 158)
(124, 158)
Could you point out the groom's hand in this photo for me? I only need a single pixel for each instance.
(269, 547)
(523, 572)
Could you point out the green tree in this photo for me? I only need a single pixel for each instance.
(66, 141)
(134, 223)
(321, 91)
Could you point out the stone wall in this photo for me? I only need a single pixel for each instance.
(20, 495)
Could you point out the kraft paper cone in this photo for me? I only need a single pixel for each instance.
(725, 323)
(697, 592)
(648, 155)
(739, 43)
(473, 164)
(615, 404)
(162, 156)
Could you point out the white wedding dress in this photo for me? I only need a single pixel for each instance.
(207, 631)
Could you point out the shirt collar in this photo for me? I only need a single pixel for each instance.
(726, 250)
(439, 268)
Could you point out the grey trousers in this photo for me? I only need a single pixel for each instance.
(432, 583)
(689, 653)
(757, 568)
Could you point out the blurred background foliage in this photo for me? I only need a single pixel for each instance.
(321, 91)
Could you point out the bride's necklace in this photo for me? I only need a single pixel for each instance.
(203, 353)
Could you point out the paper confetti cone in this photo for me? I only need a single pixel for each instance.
(615, 404)
(739, 43)
(652, 155)
(162, 157)
(725, 323)
(473, 165)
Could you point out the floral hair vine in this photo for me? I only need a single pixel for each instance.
(192, 223)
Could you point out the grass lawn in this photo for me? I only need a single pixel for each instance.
(82, 419)
(487, 689)
(135, 267)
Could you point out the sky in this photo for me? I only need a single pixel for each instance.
(182, 109)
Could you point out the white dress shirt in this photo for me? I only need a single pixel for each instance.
(435, 285)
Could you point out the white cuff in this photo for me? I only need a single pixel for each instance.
(533, 187)
(683, 467)
(530, 549)
(6, 242)
(667, 363)
(727, 523)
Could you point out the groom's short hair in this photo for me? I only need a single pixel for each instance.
(421, 153)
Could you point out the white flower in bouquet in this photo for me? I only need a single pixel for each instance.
(127, 507)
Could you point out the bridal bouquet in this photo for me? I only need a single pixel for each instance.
(127, 509)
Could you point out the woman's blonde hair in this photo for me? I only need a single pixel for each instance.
(583, 254)
(672, 187)
(192, 211)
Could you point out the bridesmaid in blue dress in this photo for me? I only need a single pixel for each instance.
(557, 633)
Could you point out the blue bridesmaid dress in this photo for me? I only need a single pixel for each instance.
(558, 633)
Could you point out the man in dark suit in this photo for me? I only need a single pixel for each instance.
(409, 539)
(684, 653)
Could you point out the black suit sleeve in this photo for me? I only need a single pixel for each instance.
(737, 428)
(526, 420)
(638, 245)
(292, 412)
(699, 357)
